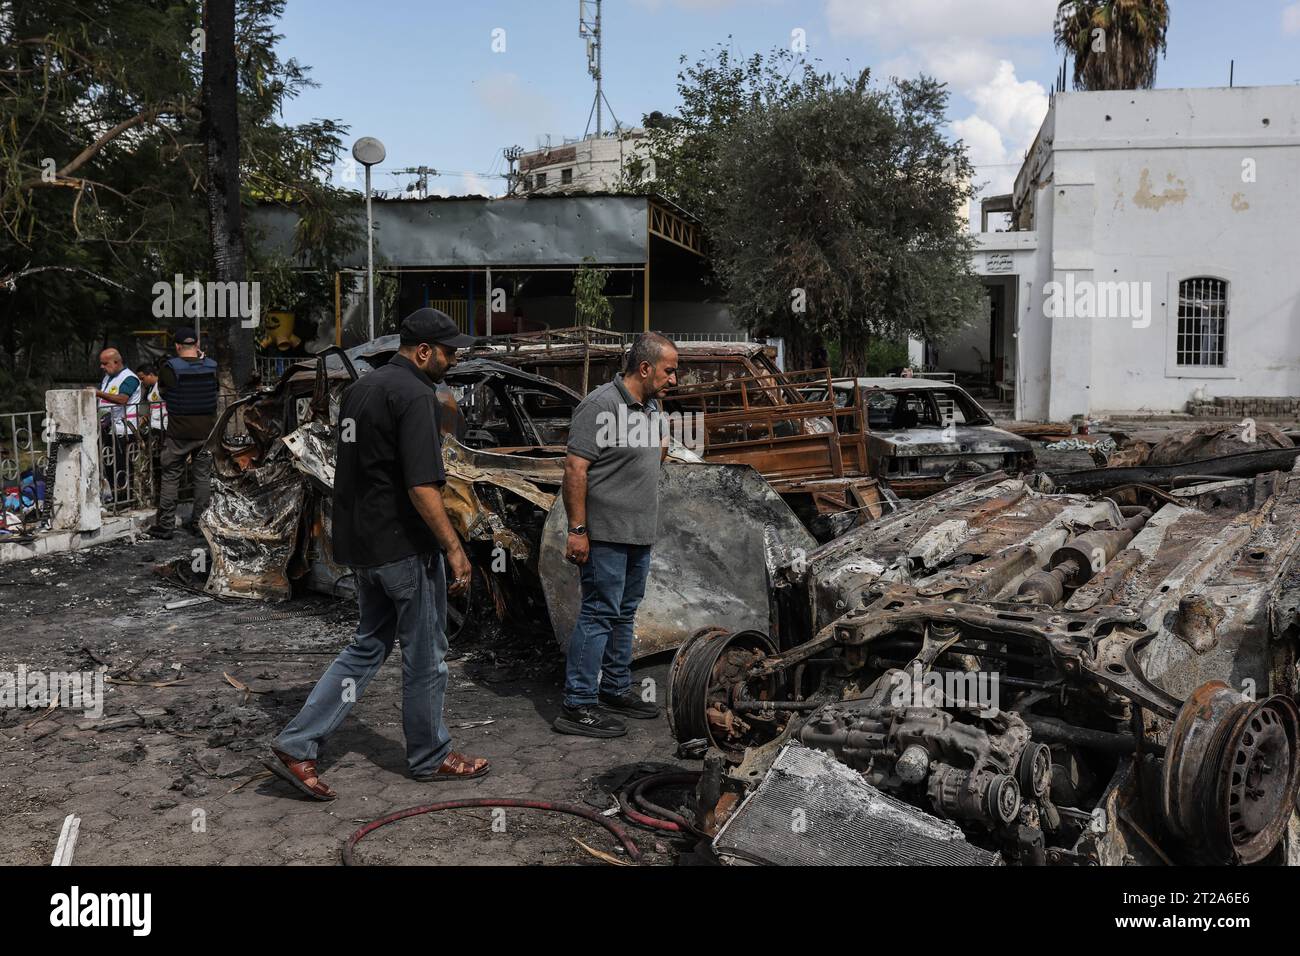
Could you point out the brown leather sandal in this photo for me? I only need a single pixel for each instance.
(457, 766)
(301, 773)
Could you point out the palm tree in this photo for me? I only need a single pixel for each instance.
(1115, 43)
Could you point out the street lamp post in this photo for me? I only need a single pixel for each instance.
(369, 151)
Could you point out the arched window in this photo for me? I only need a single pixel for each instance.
(1202, 322)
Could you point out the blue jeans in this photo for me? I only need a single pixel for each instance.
(404, 601)
(600, 648)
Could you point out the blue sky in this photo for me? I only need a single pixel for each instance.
(424, 78)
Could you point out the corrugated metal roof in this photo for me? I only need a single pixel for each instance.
(478, 232)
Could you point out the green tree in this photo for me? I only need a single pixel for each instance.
(832, 207)
(715, 94)
(1116, 44)
(102, 157)
(589, 302)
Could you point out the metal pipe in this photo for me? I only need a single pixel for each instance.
(1051, 730)
(370, 255)
(746, 706)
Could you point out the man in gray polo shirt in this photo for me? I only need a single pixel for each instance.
(611, 493)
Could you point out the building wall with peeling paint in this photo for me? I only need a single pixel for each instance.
(1148, 188)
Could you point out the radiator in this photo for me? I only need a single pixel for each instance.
(812, 810)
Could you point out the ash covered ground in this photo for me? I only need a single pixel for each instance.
(171, 774)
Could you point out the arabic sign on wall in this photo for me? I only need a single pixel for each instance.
(998, 263)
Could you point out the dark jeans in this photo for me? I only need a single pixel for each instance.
(600, 648)
(404, 601)
(175, 452)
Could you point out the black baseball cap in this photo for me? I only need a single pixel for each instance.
(185, 336)
(427, 326)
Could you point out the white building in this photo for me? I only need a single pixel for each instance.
(1155, 252)
(594, 164)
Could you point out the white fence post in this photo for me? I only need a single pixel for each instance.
(71, 411)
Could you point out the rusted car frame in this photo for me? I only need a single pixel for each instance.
(767, 422)
(1144, 649)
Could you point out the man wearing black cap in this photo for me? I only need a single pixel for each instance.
(188, 384)
(391, 528)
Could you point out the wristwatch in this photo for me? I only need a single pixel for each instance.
(578, 529)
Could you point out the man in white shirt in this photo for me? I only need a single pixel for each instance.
(118, 399)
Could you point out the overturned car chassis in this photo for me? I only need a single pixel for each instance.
(1140, 650)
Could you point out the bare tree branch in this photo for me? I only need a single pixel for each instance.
(94, 148)
(10, 282)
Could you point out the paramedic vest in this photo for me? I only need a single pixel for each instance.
(123, 417)
(195, 391)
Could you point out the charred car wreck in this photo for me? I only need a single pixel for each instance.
(1002, 674)
(724, 529)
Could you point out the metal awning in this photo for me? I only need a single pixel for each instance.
(474, 232)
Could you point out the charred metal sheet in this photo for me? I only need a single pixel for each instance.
(312, 448)
(252, 521)
(1212, 440)
(1240, 465)
(722, 532)
(529, 477)
(848, 822)
(251, 527)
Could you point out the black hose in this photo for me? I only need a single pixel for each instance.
(637, 795)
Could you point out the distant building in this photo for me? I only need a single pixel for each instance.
(1151, 258)
(593, 164)
(507, 264)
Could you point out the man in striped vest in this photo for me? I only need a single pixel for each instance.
(188, 382)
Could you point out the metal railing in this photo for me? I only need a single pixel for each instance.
(591, 335)
(705, 336)
(24, 454)
(130, 456)
(271, 367)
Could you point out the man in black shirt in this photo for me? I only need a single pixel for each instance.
(188, 383)
(391, 528)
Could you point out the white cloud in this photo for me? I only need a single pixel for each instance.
(1004, 105)
(469, 184)
(982, 139)
(1016, 107)
(968, 45)
(476, 185)
(912, 20)
(1291, 18)
(949, 45)
(1008, 113)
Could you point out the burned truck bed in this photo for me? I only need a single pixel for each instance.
(1050, 678)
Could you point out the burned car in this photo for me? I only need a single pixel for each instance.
(1001, 674)
(723, 530)
(752, 413)
(924, 435)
